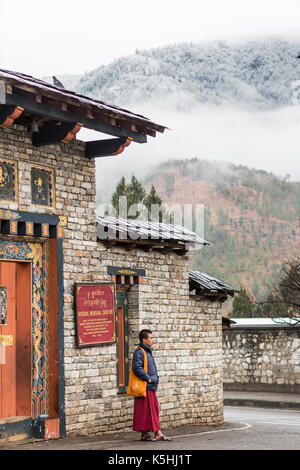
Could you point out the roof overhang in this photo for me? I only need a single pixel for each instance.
(146, 235)
(206, 285)
(54, 114)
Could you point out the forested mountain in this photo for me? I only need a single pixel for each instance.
(251, 217)
(255, 74)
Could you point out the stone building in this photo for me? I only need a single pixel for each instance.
(63, 363)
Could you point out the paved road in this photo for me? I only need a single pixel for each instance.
(258, 429)
(244, 429)
(271, 429)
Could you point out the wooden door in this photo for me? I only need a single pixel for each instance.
(15, 339)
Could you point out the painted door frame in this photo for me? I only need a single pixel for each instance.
(123, 329)
(44, 229)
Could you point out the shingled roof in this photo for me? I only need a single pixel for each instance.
(208, 285)
(149, 235)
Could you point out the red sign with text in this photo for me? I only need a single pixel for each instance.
(95, 314)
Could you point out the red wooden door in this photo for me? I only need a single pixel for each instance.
(15, 339)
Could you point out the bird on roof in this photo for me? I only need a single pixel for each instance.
(57, 83)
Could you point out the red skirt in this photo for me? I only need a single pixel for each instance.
(146, 413)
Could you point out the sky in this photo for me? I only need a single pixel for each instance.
(63, 36)
(73, 37)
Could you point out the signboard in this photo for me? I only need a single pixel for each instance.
(95, 314)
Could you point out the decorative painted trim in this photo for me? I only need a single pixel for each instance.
(50, 172)
(29, 228)
(14, 177)
(45, 230)
(126, 276)
(122, 359)
(8, 114)
(37, 254)
(60, 231)
(29, 224)
(126, 271)
(61, 349)
(13, 227)
(72, 133)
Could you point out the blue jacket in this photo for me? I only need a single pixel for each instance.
(138, 367)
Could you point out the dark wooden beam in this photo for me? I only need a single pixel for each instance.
(148, 242)
(181, 252)
(106, 147)
(147, 249)
(148, 245)
(109, 244)
(130, 247)
(166, 250)
(49, 135)
(29, 104)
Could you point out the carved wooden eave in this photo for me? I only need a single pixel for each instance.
(53, 114)
(163, 246)
(203, 294)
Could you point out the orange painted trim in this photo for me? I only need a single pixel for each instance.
(70, 136)
(60, 232)
(29, 228)
(45, 230)
(11, 118)
(122, 148)
(13, 227)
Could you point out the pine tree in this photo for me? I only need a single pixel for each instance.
(152, 198)
(136, 194)
(242, 306)
(121, 190)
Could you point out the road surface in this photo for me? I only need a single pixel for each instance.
(244, 429)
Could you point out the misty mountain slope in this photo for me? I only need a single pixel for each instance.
(251, 217)
(256, 74)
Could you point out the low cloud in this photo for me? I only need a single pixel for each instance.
(267, 140)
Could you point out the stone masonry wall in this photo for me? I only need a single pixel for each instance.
(262, 359)
(187, 348)
(187, 330)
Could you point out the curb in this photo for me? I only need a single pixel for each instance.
(261, 403)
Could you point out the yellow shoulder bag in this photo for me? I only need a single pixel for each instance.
(136, 386)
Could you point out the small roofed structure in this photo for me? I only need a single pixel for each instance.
(209, 287)
(146, 235)
(53, 115)
(206, 285)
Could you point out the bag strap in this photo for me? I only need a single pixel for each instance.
(145, 359)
